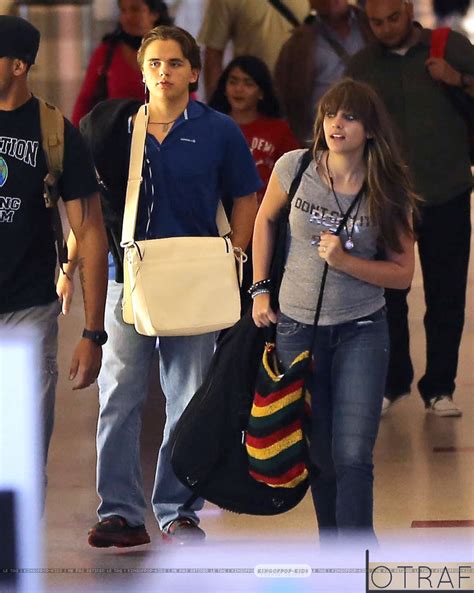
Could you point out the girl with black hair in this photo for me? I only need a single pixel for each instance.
(245, 92)
(113, 72)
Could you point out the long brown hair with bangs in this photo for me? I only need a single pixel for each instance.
(390, 191)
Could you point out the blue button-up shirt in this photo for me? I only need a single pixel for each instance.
(203, 159)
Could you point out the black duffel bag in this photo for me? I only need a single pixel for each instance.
(208, 448)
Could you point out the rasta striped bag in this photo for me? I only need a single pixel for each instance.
(280, 416)
(275, 439)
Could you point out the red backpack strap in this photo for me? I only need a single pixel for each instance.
(439, 38)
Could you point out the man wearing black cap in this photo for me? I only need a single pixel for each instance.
(27, 255)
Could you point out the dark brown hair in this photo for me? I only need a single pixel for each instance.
(186, 41)
(391, 196)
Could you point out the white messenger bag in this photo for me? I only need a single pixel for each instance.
(180, 286)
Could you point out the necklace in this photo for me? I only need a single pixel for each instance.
(164, 124)
(349, 243)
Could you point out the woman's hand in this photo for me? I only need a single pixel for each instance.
(262, 313)
(330, 249)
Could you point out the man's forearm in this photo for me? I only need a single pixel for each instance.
(242, 220)
(92, 265)
(85, 217)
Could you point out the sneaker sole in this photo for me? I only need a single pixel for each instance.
(395, 402)
(118, 542)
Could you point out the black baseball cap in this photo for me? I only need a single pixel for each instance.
(18, 39)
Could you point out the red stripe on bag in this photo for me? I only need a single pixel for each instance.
(271, 439)
(292, 473)
(261, 400)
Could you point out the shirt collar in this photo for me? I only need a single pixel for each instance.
(424, 40)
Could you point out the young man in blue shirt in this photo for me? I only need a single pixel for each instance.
(194, 157)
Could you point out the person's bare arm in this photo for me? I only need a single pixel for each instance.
(263, 246)
(396, 271)
(242, 220)
(65, 282)
(85, 218)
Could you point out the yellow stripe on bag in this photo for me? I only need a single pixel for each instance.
(259, 412)
(295, 481)
(291, 484)
(277, 447)
(269, 357)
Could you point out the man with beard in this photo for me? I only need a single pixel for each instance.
(417, 90)
(319, 51)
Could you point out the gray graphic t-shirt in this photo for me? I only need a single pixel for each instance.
(345, 297)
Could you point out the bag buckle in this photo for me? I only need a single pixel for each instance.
(241, 257)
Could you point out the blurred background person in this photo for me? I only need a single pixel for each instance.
(450, 13)
(417, 90)
(245, 92)
(318, 52)
(113, 71)
(255, 27)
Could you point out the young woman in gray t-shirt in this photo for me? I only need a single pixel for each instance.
(354, 147)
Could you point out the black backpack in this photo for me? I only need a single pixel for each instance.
(208, 449)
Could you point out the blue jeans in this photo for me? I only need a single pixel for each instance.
(123, 387)
(43, 320)
(347, 386)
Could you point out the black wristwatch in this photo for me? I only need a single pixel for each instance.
(98, 337)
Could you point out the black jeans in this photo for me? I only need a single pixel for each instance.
(444, 234)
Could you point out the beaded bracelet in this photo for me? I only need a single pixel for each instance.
(259, 291)
(260, 284)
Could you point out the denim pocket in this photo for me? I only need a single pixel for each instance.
(376, 317)
(287, 326)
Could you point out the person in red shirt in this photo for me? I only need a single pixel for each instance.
(113, 71)
(245, 92)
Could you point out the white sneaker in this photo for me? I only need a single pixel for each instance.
(443, 405)
(388, 403)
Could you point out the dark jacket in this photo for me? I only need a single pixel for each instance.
(431, 127)
(295, 73)
(106, 132)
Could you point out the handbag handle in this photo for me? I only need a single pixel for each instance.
(135, 170)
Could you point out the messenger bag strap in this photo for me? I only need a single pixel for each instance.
(135, 171)
(285, 12)
(337, 47)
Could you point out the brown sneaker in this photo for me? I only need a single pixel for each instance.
(183, 531)
(115, 531)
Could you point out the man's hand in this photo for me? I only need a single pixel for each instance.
(439, 69)
(65, 291)
(85, 364)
